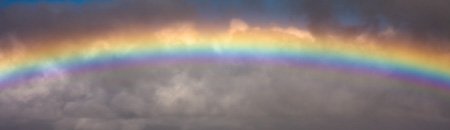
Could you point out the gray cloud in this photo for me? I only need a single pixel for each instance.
(64, 21)
(220, 96)
(424, 20)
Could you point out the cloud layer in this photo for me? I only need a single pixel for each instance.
(232, 95)
(413, 18)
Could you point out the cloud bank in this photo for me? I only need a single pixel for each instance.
(220, 96)
(414, 18)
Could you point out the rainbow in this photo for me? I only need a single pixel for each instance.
(253, 45)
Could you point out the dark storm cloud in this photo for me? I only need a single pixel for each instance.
(424, 19)
(219, 96)
(55, 20)
(417, 18)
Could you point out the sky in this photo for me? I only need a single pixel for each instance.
(222, 94)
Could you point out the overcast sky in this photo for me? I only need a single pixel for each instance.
(222, 95)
